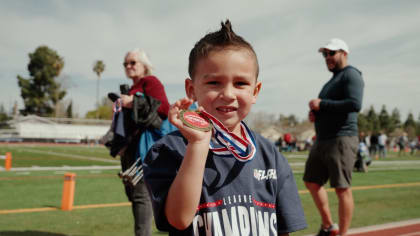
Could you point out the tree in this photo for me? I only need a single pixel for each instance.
(69, 110)
(385, 121)
(418, 126)
(410, 125)
(3, 117)
(104, 111)
(363, 123)
(373, 120)
(395, 119)
(288, 121)
(98, 68)
(40, 92)
(410, 121)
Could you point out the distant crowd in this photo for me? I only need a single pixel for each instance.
(378, 144)
(289, 143)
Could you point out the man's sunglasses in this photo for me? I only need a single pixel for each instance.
(131, 63)
(331, 53)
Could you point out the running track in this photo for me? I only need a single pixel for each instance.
(404, 228)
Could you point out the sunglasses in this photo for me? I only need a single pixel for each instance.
(131, 63)
(330, 53)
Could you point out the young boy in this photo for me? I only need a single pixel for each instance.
(203, 183)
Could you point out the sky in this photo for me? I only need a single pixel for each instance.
(383, 37)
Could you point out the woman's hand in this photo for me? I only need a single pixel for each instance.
(192, 135)
(127, 100)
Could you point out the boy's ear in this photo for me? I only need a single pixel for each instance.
(189, 88)
(257, 90)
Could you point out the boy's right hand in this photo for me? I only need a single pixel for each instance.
(192, 135)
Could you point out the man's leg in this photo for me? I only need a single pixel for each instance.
(320, 197)
(345, 208)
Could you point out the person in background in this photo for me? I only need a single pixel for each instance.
(138, 69)
(335, 150)
(402, 143)
(366, 140)
(382, 139)
(413, 146)
(373, 150)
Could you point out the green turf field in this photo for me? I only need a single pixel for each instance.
(391, 193)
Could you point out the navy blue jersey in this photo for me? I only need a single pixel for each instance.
(257, 197)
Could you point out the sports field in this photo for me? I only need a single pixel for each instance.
(30, 194)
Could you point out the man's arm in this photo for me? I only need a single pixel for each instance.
(353, 92)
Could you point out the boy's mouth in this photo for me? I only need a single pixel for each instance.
(226, 109)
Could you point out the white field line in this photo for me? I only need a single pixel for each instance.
(61, 168)
(377, 163)
(71, 156)
(65, 168)
(296, 156)
(377, 169)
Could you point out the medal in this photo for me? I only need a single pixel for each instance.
(195, 120)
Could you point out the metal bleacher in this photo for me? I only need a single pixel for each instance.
(60, 130)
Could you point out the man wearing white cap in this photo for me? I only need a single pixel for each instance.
(334, 152)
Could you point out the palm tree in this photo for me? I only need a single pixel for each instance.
(98, 68)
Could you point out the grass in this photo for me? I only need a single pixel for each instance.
(42, 189)
(373, 206)
(53, 155)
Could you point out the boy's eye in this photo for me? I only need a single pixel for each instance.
(212, 82)
(242, 83)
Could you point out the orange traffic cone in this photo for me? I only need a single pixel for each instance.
(8, 161)
(68, 192)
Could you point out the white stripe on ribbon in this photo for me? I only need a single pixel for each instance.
(242, 148)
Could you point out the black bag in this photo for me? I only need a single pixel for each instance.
(128, 124)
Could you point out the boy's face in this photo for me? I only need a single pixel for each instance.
(225, 85)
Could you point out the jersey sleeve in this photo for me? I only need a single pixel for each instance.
(290, 215)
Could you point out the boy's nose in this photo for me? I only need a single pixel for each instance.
(228, 93)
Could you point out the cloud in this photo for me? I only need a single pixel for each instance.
(382, 35)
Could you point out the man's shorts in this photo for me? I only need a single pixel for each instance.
(332, 159)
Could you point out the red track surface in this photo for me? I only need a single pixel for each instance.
(409, 228)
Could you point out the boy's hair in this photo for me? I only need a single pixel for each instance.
(216, 41)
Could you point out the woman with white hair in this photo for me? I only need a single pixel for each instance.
(138, 68)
